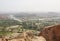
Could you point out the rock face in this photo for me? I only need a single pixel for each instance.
(51, 33)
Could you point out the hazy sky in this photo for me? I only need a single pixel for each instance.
(29, 5)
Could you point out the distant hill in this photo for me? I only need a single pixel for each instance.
(4, 16)
(49, 14)
(36, 14)
(42, 14)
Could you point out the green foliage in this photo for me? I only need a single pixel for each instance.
(6, 23)
(35, 25)
(5, 33)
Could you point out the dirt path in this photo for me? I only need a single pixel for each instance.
(39, 39)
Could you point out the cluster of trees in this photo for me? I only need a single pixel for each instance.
(35, 25)
(4, 23)
(7, 23)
